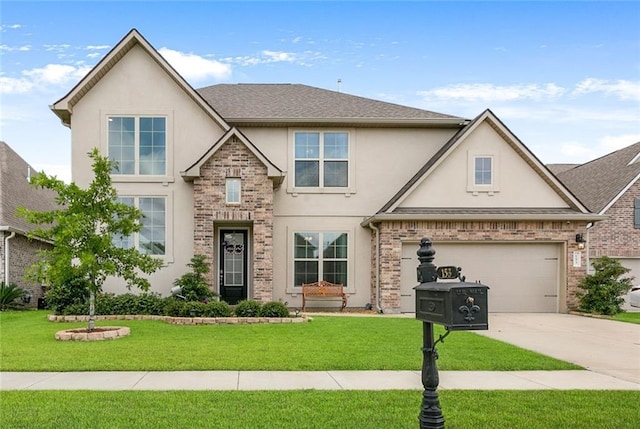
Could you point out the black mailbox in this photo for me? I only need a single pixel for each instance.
(456, 305)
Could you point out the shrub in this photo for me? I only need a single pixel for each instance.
(194, 285)
(174, 307)
(274, 309)
(74, 290)
(217, 309)
(9, 293)
(604, 288)
(247, 308)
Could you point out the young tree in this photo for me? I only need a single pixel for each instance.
(82, 230)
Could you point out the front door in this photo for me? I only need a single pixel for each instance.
(233, 265)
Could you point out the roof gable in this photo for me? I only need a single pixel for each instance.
(601, 182)
(487, 117)
(273, 172)
(63, 108)
(294, 103)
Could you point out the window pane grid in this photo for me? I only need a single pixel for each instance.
(311, 265)
(321, 159)
(151, 238)
(138, 145)
(483, 171)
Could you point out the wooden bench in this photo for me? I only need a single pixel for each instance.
(323, 289)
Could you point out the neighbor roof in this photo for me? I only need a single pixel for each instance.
(599, 183)
(278, 103)
(15, 191)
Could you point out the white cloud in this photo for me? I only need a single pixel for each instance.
(10, 27)
(42, 78)
(623, 89)
(194, 67)
(276, 57)
(24, 48)
(488, 92)
(61, 171)
(612, 143)
(97, 47)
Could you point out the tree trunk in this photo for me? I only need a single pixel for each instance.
(92, 310)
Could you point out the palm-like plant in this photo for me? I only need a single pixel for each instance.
(9, 293)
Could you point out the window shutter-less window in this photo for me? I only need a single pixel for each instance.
(636, 213)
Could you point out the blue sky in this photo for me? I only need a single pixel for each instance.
(563, 76)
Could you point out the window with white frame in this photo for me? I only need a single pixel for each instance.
(321, 159)
(151, 240)
(320, 256)
(233, 190)
(138, 144)
(483, 170)
(482, 173)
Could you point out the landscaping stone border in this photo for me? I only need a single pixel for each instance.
(185, 320)
(104, 333)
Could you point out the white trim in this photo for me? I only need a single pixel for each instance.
(494, 186)
(620, 194)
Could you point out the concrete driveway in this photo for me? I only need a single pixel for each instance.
(599, 345)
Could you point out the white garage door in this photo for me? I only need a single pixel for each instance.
(522, 277)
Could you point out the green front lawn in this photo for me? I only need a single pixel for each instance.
(317, 409)
(631, 317)
(327, 343)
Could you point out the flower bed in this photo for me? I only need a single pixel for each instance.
(184, 320)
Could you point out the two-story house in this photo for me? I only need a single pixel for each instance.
(280, 185)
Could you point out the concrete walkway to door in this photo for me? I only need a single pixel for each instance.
(599, 345)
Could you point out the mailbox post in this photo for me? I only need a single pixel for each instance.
(457, 306)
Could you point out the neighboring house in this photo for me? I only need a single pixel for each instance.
(17, 252)
(279, 185)
(610, 186)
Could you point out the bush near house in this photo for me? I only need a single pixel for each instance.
(194, 285)
(9, 294)
(153, 304)
(604, 288)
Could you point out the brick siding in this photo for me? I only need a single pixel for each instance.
(23, 253)
(393, 233)
(616, 236)
(234, 159)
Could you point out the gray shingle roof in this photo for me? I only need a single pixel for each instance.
(15, 191)
(598, 182)
(295, 102)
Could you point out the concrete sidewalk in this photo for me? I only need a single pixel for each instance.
(303, 380)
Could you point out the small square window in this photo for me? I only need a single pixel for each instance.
(233, 190)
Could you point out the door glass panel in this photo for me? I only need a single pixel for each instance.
(233, 258)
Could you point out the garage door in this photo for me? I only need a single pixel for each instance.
(634, 265)
(522, 277)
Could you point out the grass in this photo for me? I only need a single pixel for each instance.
(317, 409)
(630, 317)
(327, 343)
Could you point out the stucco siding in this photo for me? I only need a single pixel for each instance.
(516, 184)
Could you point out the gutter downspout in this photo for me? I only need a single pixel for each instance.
(589, 226)
(377, 231)
(6, 256)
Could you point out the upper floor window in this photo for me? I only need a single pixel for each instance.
(138, 144)
(233, 190)
(636, 213)
(483, 170)
(482, 176)
(321, 159)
